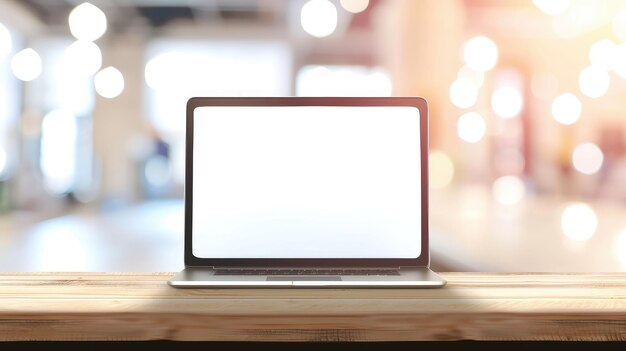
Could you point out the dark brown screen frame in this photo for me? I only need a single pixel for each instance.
(192, 261)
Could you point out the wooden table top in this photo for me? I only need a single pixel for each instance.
(474, 306)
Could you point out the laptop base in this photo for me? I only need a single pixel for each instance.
(204, 277)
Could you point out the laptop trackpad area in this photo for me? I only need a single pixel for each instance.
(284, 278)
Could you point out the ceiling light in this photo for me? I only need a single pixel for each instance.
(26, 65)
(354, 6)
(566, 108)
(319, 18)
(480, 53)
(594, 81)
(507, 102)
(471, 127)
(82, 59)
(109, 82)
(87, 22)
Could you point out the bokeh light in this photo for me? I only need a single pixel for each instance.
(602, 54)
(587, 158)
(82, 58)
(566, 108)
(579, 221)
(319, 18)
(156, 77)
(471, 127)
(552, 7)
(477, 77)
(619, 62)
(619, 25)
(6, 44)
(26, 65)
(440, 169)
(3, 161)
(480, 53)
(109, 82)
(594, 81)
(508, 190)
(507, 102)
(354, 6)
(463, 93)
(87, 22)
(58, 146)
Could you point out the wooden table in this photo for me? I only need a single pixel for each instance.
(475, 306)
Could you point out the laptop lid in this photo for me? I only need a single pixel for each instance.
(306, 182)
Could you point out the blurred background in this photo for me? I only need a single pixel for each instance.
(527, 101)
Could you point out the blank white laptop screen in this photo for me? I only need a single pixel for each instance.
(306, 182)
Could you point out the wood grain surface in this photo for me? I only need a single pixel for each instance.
(473, 306)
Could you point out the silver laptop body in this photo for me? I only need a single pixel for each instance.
(306, 192)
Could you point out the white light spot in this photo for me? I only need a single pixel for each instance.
(507, 102)
(509, 190)
(552, 7)
(3, 162)
(26, 65)
(619, 61)
(579, 221)
(463, 93)
(594, 81)
(354, 6)
(6, 44)
(82, 59)
(319, 18)
(480, 53)
(602, 54)
(58, 149)
(87, 22)
(587, 158)
(566, 108)
(441, 169)
(471, 127)
(109, 82)
(619, 25)
(477, 77)
(164, 72)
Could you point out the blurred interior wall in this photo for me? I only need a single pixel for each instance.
(117, 121)
(419, 43)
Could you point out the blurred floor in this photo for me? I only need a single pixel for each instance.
(470, 232)
(144, 237)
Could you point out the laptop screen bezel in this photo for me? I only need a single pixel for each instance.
(192, 261)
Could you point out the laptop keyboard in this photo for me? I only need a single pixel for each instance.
(305, 271)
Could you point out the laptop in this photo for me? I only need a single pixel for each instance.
(305, 192)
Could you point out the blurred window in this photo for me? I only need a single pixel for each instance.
(61, 84)
(9, 104)
(66, 95)
(315, 80)
(177, 70)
